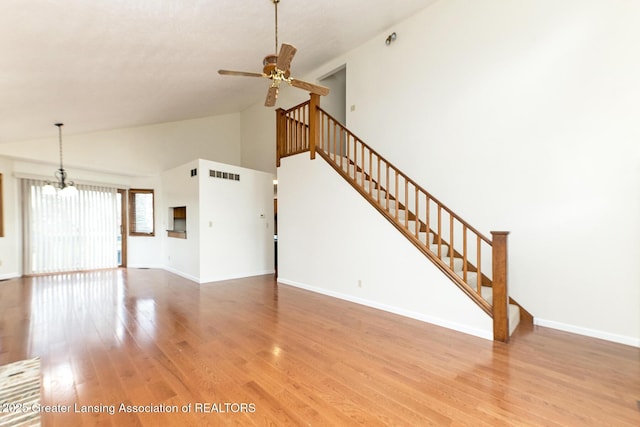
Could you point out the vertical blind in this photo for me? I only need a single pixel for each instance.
(63, 233)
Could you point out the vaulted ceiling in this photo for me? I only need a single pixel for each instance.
(107, 64)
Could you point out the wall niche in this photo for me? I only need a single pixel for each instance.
(177, 222)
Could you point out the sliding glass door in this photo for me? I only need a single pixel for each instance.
(69, 233)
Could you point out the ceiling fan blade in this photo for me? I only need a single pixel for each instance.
(272, 95)
(240, 73)
(285, 57)
(320, 90)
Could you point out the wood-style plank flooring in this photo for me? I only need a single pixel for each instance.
(267, 354)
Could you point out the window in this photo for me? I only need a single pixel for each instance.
(141, 213)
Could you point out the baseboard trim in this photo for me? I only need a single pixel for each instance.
(237, 276)
(392, 309)
(216, 279)
(146, 267)
(181, 274)
(592, 333)
(9, 276)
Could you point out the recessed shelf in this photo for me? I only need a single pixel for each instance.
(178, 222)
(177, 234)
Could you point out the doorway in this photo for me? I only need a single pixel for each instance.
(336, 102)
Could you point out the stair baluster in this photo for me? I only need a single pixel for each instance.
(306, 127)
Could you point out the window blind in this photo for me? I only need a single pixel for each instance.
(63, 234)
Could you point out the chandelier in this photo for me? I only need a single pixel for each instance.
(64, 187)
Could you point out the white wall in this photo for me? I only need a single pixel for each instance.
(145, 150)
(236, 223)
(149, 251)
(521, 116)
(259, 130)
(329, 238)
(526, 121)
(258, 148)
(182, 256)
(126, 158)
(229, 223)
(9, 244)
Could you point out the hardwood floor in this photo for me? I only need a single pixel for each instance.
(267, 354)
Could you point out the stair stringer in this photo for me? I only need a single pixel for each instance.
(329, 239)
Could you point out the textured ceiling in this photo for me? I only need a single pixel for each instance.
(106, 64)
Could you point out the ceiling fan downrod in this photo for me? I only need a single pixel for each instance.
(275, 3)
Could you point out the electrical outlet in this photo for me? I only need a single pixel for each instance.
(359, 283)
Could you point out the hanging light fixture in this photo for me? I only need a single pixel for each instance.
(66, 188)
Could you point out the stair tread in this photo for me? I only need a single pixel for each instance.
(443, 248)
(457, 262)
(428, 238)
(402, 213)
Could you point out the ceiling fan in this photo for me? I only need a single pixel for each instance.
(277, 69)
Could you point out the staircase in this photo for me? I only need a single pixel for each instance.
(475, 263)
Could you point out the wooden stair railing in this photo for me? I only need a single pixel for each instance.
(470, 259)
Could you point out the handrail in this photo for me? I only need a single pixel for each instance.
(295, 107)
(469, 226)
(406, 204)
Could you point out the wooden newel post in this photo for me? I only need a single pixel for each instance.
(280, 134)
(314, 125)
(500, 293)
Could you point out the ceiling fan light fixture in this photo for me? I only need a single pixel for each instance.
(269, 63)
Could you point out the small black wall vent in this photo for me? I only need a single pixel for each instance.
(224, 175)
